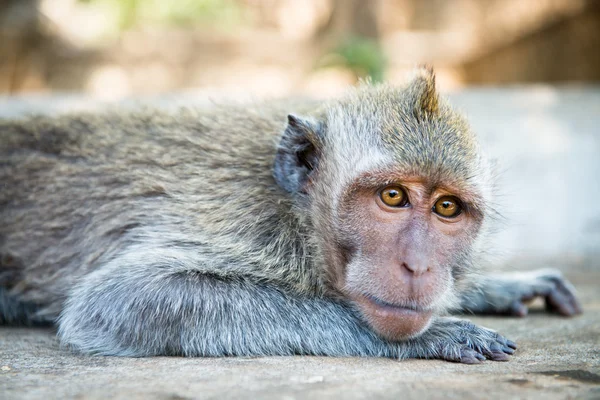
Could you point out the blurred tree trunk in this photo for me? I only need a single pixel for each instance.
(20, 37)
(352, 18)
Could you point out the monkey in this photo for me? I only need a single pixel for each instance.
(349, 227)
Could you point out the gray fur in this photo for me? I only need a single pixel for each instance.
(195, 314)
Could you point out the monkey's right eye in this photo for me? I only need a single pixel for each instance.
(394, 196)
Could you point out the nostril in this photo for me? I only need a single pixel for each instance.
(416, 269)
(405, 265)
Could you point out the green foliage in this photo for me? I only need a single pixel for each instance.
(362, 55)
(224, 13)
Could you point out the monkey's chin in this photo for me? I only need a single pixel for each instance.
(394, 322)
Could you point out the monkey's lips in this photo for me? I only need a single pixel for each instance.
(394, 321)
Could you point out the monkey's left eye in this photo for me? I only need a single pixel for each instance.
(394, 196)
(447, 206)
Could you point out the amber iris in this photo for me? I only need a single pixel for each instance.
(394, 196)
(447, 206)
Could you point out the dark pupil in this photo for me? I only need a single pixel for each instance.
(446, 204)
(393, 193)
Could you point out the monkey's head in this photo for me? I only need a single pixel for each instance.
(396, 188)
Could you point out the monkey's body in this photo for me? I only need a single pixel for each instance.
(164, 183)
(149, 233)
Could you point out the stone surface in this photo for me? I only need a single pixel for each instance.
(547, 141)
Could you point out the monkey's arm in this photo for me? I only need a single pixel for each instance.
(143, 310)
(507, 293)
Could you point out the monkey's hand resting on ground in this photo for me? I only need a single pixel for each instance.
(462, 341)
(507, 294)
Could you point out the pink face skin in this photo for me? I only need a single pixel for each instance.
(399, 268)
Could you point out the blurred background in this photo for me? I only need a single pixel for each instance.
(116, 48)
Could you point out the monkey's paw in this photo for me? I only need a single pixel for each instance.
(516, 289)
(464, 342)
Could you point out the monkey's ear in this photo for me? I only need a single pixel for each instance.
(422, 92)
(296, 156)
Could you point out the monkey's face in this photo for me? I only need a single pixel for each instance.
(400, 243)
(397, 229)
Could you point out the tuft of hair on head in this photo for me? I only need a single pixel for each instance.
(421, 89)
(365, 81)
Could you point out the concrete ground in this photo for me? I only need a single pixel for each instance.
(548, 144)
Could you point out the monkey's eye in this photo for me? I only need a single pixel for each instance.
(394, 196)
(447, 206)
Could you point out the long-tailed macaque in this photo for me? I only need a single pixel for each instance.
(350, 231)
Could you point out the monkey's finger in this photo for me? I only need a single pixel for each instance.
(504, 344)
(495, 352)
(568, 292)
(517, 308)
(563, 303)
(469, 356)
(499, 356)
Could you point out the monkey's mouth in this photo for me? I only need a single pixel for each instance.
(394, 321)
(402, 308)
